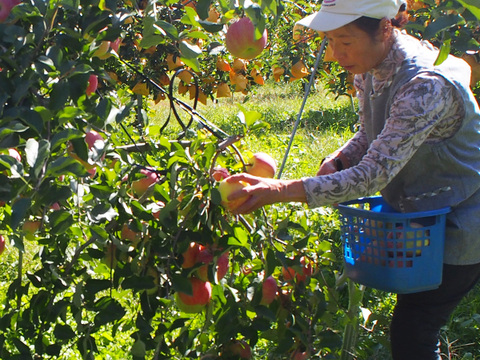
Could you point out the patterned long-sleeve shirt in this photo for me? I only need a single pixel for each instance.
(426, 109)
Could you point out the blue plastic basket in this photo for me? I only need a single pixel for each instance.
(392, 251)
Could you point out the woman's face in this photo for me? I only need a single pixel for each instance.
(355, 50)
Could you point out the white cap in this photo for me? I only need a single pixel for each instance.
(336, 13)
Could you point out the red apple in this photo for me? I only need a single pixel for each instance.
(226, 188)
(221, 265)
(269, 290)
(190, 255)
(91, 137)
(219, 173)
(289, 273)
(299, 355)
(2, 244)
(6, 7)
(115, 45)
(14, 153)
(263, 165)
(92, 84)
(238, 349)
(240, 39)
(129, 235)
(201, 296)
(140, 186)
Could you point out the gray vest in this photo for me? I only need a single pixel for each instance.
(440, 174)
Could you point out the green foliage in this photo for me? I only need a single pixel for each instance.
(95, 246)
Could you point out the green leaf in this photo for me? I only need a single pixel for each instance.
(37, 153)
(211, 27)
(19, 211)
(203, 7)
(63, 136)
(59, 95)
(94, 286)
(444, 52)
(60, 221)
(442, 23)
(473, 6)
(109, 310)
(181, 284)
(139, 349)
(63, 332)
(65, 165)
(138, 283)
(190, 17)
(13, 127)
(102, 212)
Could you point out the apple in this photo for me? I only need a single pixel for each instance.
(190, 255)
(92, 84)
(6, 7)
(91, 137)
(261, 164)
(269, 290)
(240, 39)
(14, 153)
(299, 355)
(102, 50)
(206, 257)
(30, 227)
(140, 186)
(238, 349)
(2, 244)
(201, 296)
(219, 173)
(290, 273)
(129, 235)
(226, 188)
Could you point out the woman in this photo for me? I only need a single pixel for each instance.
(418, 144)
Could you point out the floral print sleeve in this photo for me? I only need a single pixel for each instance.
(416, 116)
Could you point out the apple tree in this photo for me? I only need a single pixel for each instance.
(100, 208)
(118, 243)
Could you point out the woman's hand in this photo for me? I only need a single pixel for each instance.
(327, 167)
(265, 191)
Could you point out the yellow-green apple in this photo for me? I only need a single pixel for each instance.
(201, 296)
(226, 188)
(262, 164)
(2, 244)
(269, 290)
(92, 84)
(238, 349)
(30, 227)
(102, 51)
(140, 186)
(240, 39)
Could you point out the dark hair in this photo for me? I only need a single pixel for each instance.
(371, 25)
